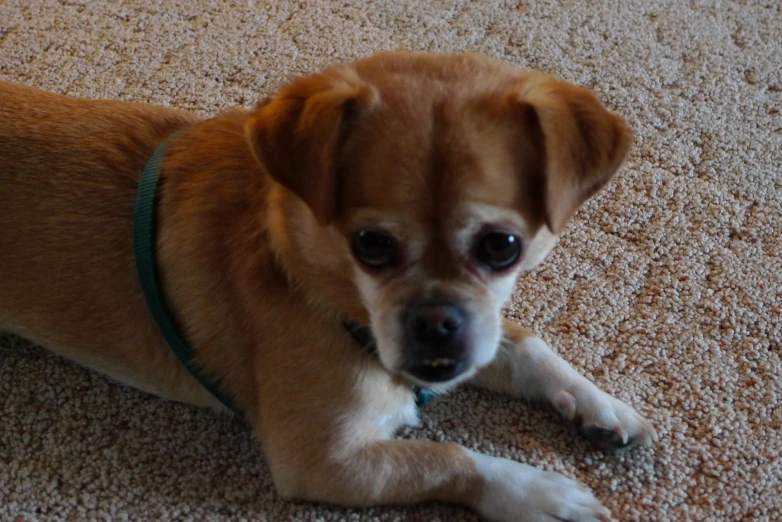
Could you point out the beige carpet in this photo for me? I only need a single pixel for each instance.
(667, 289)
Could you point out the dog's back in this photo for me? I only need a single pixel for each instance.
(69, 169)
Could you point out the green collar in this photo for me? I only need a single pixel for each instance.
(144, 243)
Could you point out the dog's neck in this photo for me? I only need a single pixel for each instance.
(145, 253)
(228, 240)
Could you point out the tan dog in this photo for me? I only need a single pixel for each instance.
(405, 192)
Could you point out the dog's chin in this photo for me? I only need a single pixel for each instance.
(440, 386)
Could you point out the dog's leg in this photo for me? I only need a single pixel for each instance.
(526, 367)
(388, 472)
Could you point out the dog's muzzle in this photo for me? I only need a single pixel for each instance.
(434, 340)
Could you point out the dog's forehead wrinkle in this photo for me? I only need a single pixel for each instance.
(453, 159)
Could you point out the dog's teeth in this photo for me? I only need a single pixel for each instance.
(439, 362)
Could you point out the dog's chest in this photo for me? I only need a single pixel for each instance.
(384, 406)
(388, 423)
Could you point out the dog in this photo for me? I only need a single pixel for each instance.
(396, 198)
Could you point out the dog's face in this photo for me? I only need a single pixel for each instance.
(443, 177)
(435, 282)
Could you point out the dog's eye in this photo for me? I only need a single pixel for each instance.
(498, 251)
(375, 248)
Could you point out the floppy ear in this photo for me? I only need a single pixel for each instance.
(297, 135)
(582, 144)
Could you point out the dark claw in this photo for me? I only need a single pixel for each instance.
(605, 439)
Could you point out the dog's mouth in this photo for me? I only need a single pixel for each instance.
(436, 370)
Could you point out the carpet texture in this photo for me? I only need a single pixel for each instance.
(666, 289)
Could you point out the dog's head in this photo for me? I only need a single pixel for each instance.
(436, 180)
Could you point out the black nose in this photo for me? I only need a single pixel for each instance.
(435, 323)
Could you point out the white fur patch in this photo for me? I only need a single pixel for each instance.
(383, 408)
(388, 424)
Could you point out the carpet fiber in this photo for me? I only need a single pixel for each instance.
(666, 289)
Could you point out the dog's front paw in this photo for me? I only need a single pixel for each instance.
(602, 419)
(520, 493)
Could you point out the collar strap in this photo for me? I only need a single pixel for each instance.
(144, 244)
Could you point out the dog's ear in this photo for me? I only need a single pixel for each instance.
(578, 143)
(297, 135)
